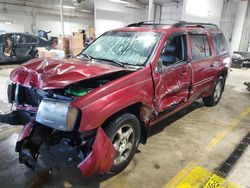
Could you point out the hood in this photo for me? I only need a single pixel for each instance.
(58, 73)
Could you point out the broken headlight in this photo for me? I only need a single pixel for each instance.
(57, 114)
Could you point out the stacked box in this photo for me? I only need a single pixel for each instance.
(76, 44)
(63, 44)
(50, 54)
(41, 52)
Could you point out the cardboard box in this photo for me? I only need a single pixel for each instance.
(63, 44)
(41, 52)
(77, 35)
(50, 53)
(75, 45)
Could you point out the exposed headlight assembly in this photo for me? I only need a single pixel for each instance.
(57, 114)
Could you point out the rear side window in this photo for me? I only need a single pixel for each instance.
(200, 46)
(219, 43)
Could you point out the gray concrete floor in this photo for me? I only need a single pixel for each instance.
(174, 142)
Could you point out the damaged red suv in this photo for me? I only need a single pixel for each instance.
(104, 101)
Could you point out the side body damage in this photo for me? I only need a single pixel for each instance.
(104, 108)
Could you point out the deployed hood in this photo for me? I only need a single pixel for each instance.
(58, 73)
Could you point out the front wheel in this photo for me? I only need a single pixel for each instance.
(214, 98)
(124, 132)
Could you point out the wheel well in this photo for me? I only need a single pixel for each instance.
(223, 74)
(134, 109)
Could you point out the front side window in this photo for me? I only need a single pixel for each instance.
(219, 43)
(175, 50)
(128, 48)
(200, 46)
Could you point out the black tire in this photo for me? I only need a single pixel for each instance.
(215, 96)
(126, 122)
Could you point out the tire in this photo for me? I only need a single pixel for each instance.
(124, 132)
(215, 97)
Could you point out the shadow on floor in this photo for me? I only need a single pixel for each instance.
(63, 160)
(171, 119)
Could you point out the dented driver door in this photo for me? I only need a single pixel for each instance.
(172, 75)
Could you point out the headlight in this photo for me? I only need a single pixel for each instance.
(57, 114)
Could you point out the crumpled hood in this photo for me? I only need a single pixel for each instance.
(58, 73)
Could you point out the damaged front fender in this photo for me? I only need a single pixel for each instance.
(99, 160)
(102, 156)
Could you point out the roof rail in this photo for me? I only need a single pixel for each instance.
(196, 24)
(146, 23)
(177, 24)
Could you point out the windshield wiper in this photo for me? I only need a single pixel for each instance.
(112, 61)
(88, 56)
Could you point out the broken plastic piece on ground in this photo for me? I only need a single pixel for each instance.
(15, 118)
(102, 156)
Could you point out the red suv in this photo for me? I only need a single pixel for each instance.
(104, 101)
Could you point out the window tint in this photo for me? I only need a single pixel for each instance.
(1, 39)
(174, 51)
(219, 43)
(200, 46)
(25, 39)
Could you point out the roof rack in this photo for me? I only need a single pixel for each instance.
(178, 24)
(146, 23)
(195, 24)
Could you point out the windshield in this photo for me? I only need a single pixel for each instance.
(128, 48)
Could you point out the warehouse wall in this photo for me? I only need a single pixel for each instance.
(171, 12)
(228, 15)
(35, 18)
(245, 39)
(109, 15)
(202, 11)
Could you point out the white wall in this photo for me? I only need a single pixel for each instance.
(228, 18)
(171, 12)
(47, 19)
(202, 11)
(11, 27)
(109, 15)
(245, 39)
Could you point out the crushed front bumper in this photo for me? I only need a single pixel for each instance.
(98, 160)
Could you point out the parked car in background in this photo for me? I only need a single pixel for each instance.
(21, 47)
(104, 101)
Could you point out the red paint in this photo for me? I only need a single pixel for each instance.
(56, 74)
(155, 92)
(25, 131)
(102, 156)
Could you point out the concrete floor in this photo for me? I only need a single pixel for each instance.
(197, 134)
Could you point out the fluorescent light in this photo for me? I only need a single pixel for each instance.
(8, 22)
(89, 11)
(66, 7)
(120, 1)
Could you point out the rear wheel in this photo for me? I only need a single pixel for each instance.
(124, 132)
(214, 98)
